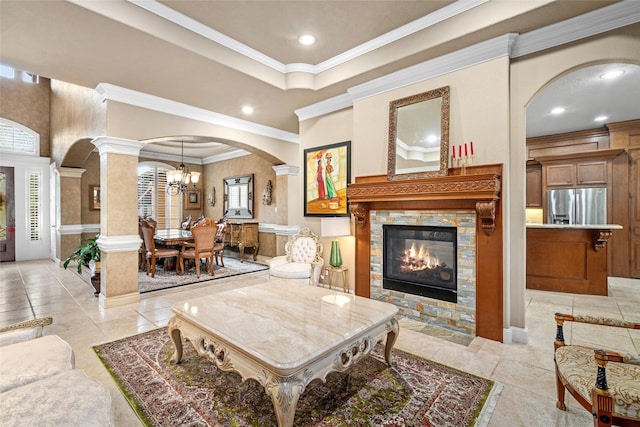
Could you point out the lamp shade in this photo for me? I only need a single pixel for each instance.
(335, 227)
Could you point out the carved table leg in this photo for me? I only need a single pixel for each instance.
(284, 395)
(392, 335)
(177, 344)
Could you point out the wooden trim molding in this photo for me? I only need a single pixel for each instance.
(478, 190)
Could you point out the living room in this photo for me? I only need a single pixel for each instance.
(493, 85)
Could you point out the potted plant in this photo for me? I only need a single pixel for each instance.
(87, 254)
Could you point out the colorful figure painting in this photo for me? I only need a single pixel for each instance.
(327, 171)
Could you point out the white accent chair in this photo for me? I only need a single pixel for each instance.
(303, 260)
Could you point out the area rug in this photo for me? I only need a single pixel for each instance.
(169, 279)
(414, 392)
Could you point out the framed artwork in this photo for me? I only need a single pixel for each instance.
(327, 171)
(194, 199)
(94, 197)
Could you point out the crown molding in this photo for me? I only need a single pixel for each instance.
(608, 18)
(406, 30)
(226, 156)
(111, 244)
(65, 172)
(463, 58)
(399, 33)
(590, 24)
(110, 92)
(170, 157)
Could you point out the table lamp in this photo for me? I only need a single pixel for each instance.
(335, 227)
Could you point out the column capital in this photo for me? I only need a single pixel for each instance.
(286, 170)
(108, 144)
(70, 172)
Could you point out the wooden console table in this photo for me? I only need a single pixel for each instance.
(243, 235)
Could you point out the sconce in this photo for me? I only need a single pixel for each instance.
(212, 197)
(266, 195)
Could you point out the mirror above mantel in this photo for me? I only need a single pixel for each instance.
(419, 135)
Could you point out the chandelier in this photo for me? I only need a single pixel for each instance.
(179, 179)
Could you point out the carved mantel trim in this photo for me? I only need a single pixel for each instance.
(482, 189)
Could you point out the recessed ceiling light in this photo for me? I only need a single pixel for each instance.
(247, 109)
(601, 118)
(611, 74)
(558, 110)
(306, 39)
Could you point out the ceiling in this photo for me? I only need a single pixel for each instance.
(221, 55)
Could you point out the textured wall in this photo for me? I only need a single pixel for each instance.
(28, 104)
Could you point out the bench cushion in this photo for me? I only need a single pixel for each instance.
(66, 399)
(28, 361)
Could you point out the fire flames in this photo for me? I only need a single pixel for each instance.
(419, 259)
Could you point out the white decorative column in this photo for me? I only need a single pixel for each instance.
(287, 188)
(119, 239)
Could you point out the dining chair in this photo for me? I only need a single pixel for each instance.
(152, 253)
(218, 247)
(142, 260)
(204, 233)
(186, 223)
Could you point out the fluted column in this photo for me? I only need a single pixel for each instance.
(119, 239)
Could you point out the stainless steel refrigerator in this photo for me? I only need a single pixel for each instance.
(577, 206)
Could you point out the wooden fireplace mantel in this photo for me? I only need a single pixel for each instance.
(479, 189)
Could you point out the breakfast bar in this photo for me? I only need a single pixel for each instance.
(568, 258)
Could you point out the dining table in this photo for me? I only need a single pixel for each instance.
(172, 237)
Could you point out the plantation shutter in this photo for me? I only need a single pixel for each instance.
(34, 208)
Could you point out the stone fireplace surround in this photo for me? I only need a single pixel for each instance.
(477, 191)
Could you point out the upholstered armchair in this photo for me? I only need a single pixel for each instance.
(605, 383)
(204, 234)
(152, 253)
(302, 262)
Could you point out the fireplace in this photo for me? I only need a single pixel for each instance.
(421, 260)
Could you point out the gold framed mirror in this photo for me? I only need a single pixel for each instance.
(419, 135)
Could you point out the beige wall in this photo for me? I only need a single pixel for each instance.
(91, 176)
(214, 174)
(77, 113)
(28, 104)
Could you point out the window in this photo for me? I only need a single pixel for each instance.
(18, 139)
(34, 207)
(153, 200)
(10, 73)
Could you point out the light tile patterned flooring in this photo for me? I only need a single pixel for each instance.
(40, 288)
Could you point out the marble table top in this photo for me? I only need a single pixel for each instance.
(283, 323)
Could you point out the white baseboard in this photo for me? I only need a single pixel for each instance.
(515, 335)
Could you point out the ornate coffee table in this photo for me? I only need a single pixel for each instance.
(283, 334)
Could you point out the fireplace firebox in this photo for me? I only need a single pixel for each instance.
(420, 260)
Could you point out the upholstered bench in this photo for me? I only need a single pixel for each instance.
(33, 360)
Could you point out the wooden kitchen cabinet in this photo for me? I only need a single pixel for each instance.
(534, 186)
(592, 173)
(560, 175)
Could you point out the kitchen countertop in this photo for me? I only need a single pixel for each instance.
(577, 226)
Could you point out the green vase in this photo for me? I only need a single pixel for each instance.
(336, 258)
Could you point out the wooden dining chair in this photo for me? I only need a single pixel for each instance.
(218, 247)
(152, 253)
(204, 234)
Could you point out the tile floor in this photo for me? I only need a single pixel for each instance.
(40, 288)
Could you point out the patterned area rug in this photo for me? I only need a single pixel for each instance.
(414, 392)
(169, 279)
